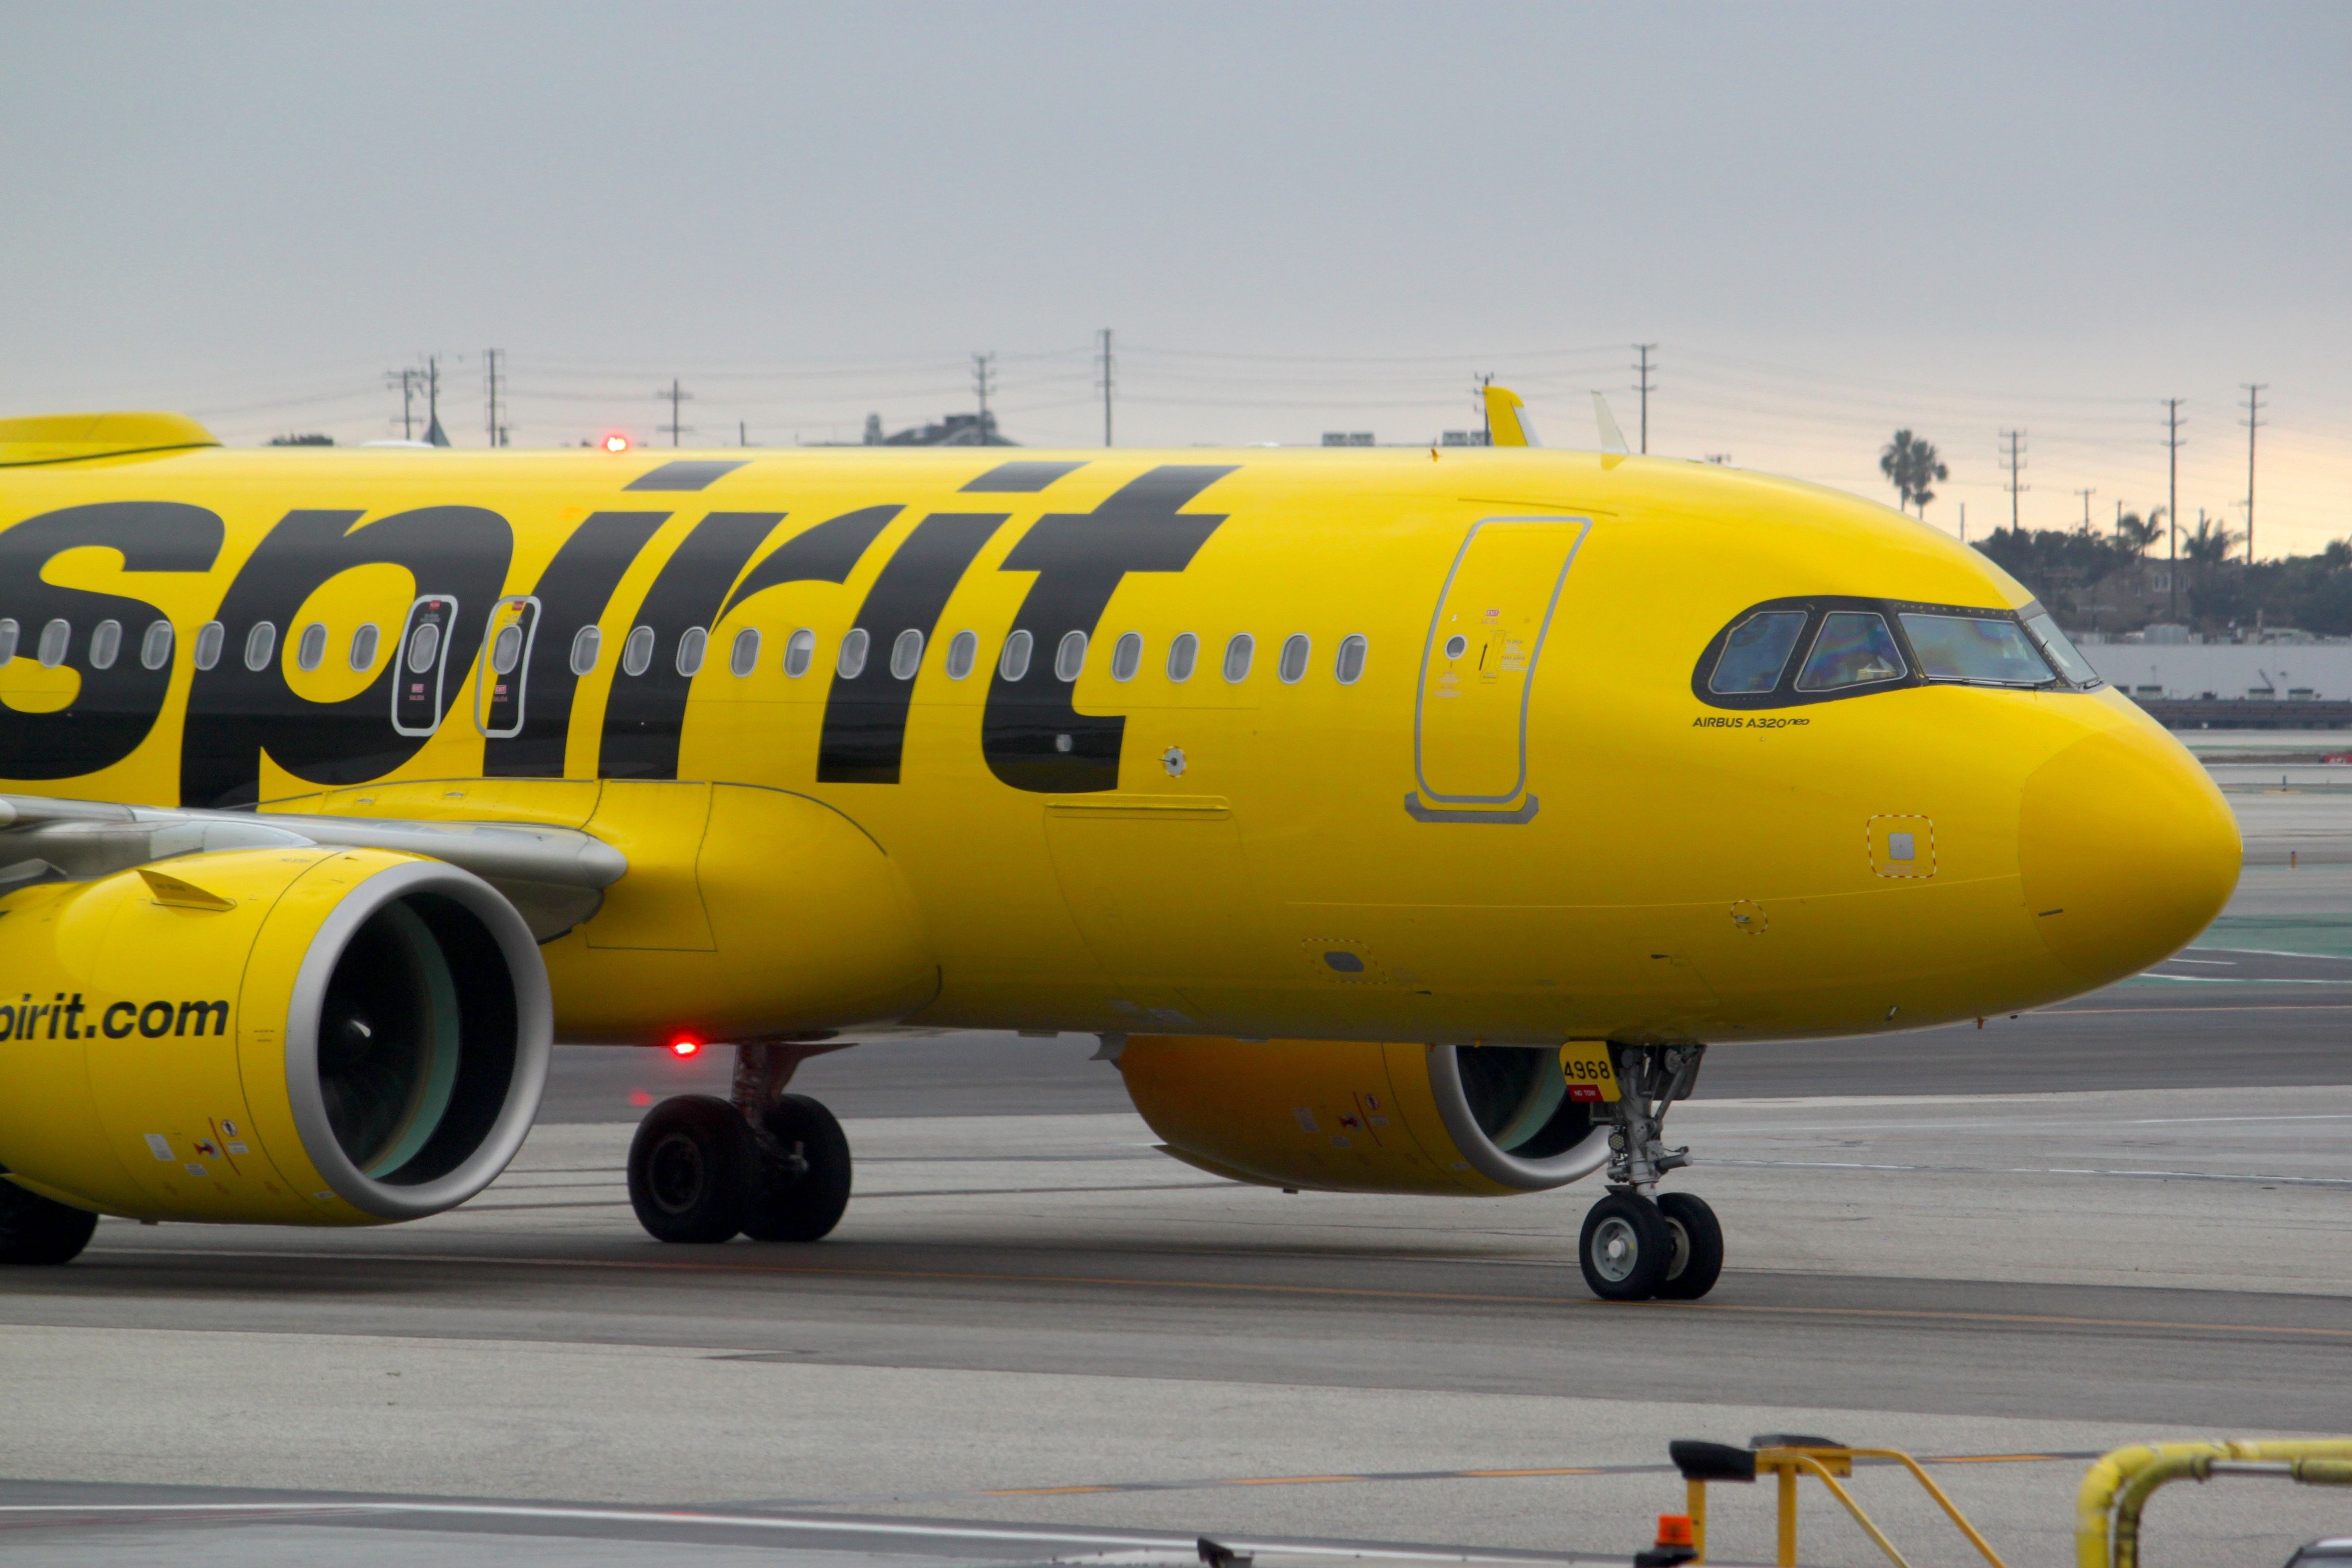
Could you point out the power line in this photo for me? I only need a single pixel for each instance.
(2253, 422)
(2012, 456)
(675, 396)
(1645, 387)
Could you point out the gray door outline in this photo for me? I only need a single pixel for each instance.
(1414, 804)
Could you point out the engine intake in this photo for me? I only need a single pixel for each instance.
(306, 1036)
(1365, 1116)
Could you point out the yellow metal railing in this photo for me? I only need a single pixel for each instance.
(1825, 1462)
(2116, 1489)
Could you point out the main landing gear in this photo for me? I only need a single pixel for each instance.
(1639, 1244)
(762, 1163)
(40, 1231)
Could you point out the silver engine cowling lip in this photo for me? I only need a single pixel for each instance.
(1496, 1164)
(534, 1041)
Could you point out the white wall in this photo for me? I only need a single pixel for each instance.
(2225, 670)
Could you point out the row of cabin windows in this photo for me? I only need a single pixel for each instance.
(1012, 661)
(637, 651)
(260, 642)
(1015, 659)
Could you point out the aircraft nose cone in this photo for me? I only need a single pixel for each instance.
(2125, 851)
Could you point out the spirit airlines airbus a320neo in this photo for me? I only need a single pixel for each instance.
(1402, 821)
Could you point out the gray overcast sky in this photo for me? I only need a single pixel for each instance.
(1833, 220)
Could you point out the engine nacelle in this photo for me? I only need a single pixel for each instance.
(1365, 1117)
(284, 1036)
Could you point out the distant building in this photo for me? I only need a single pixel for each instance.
(1348, 438)
(955, 430)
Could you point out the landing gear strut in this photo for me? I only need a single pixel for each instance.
(1636, 1244)
(763, 1164)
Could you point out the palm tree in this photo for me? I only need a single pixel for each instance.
(1909, 462)
(2137, 533)
(2211, 544)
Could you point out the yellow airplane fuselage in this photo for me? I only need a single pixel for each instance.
(1513, 813)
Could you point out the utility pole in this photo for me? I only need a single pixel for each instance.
(497, 432)
(1645, 388)
(2255, 391)
(742, 432)
(984, 378)
(1106, 384)
(434, 434)
(406, 380)
(2172, 501)
(1483, 379)
(676, 397)
(2086, 496)
(1964, 522)
(2012, 454)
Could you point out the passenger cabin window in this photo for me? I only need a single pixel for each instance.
(311, 648)
(54, 638)
(1979, 649)
(7, 641)
(1070, 656)
(638, 652)
(1126, 655)
(744, 658)
(105, 645)
(1182, 655)
(1238, 654)
(364, 646)
(1014, 663)
(154, 648)
(586, 644)
(800, 652)
(209, 638)
(963, 652)
(1756, 652)
(906, 654)
(1854, 647)
(506, 651)
(262, 641)
(852, 662)
(1297, 649)
(1349, 667)
(692, 643)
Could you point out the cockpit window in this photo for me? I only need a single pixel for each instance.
(1756, 652)
(1854, 647)
(1975, 648)
(2061, 652)
(1821, 647)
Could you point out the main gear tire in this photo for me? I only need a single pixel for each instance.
(801, 1194)
(694, 1169)
(1697, 1261)
(1625, 1248)
(40, 1232)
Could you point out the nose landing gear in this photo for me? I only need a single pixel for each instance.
(763, 1164)
(1638, 1244)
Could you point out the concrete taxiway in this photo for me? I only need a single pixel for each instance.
(1036, 1339)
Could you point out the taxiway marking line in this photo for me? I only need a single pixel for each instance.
(65, 1512)
(1922, 1314)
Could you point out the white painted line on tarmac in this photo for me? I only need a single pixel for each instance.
(1187, 1545)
